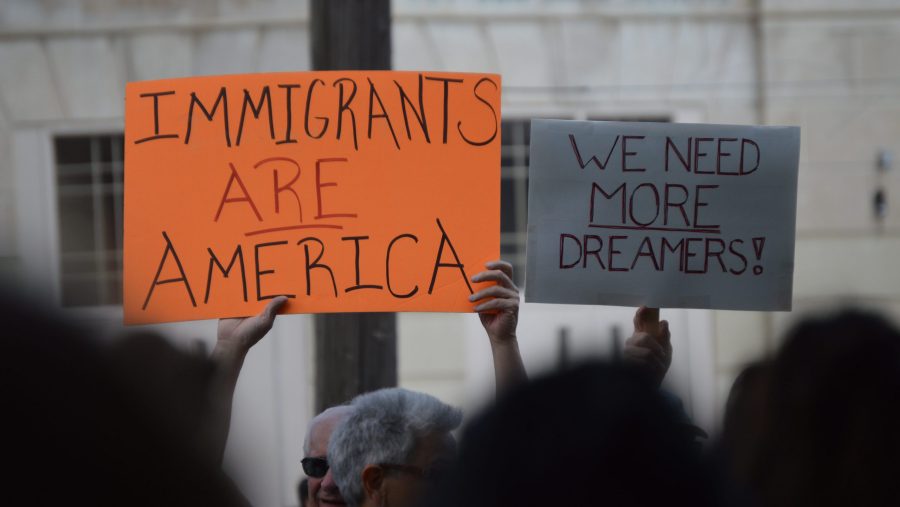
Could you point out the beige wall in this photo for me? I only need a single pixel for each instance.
(829, 68)
(87, 14)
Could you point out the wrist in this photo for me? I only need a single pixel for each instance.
(504, 342)
(225, 352)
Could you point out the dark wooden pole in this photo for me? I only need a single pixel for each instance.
(355, 353)
(351, 34)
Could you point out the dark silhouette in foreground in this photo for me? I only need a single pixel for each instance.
(596, 435)
(829, 423)
(88, 424)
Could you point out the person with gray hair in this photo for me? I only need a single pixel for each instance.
(498, 309)
(393, 441)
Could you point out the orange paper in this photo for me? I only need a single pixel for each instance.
(345, 191)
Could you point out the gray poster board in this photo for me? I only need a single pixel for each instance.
(662, 214)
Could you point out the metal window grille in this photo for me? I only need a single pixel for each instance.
(515, 137)
(90, 204)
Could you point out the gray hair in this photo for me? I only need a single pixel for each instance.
(335, 411)
(384, 428)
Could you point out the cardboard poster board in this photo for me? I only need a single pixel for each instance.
(662, 214)
(346, 191)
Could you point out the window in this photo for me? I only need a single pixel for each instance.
(90, 204)
(515, 137)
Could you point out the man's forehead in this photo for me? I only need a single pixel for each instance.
(321, 427)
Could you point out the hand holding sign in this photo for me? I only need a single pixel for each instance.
(500, 313)
(498, 309)
(238, 335)
(650, 346)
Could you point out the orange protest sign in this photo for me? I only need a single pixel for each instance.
(345, 191)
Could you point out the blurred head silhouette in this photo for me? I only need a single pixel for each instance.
(832, 412)
(87, 424)
(595, 435)
(742, 425)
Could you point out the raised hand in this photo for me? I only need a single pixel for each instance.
(239, 334)
(234, 339)
(498, 310)
(500, 314)
(650, 346)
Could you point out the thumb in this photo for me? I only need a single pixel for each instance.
(647, 320)
(273, 308)
(263, 321)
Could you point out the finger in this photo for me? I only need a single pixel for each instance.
(636, 351)
(266, 318)
(274, 307)
(636, 337)
(646, 341)
(502, 265)
(495, 275)
(665, 337)
(498, 304)
(644, 357)
(652, 348)
(494, 291)
(637, 354)
(638, 319)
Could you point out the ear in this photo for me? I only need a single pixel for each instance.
(372, 480)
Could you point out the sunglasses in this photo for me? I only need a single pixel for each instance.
(315, 467)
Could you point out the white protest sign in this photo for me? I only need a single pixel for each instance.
(662, 214)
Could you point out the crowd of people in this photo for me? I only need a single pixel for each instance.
(138, 422)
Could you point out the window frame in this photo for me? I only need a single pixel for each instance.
(37, 210)
(100, 257)
(521, 189)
